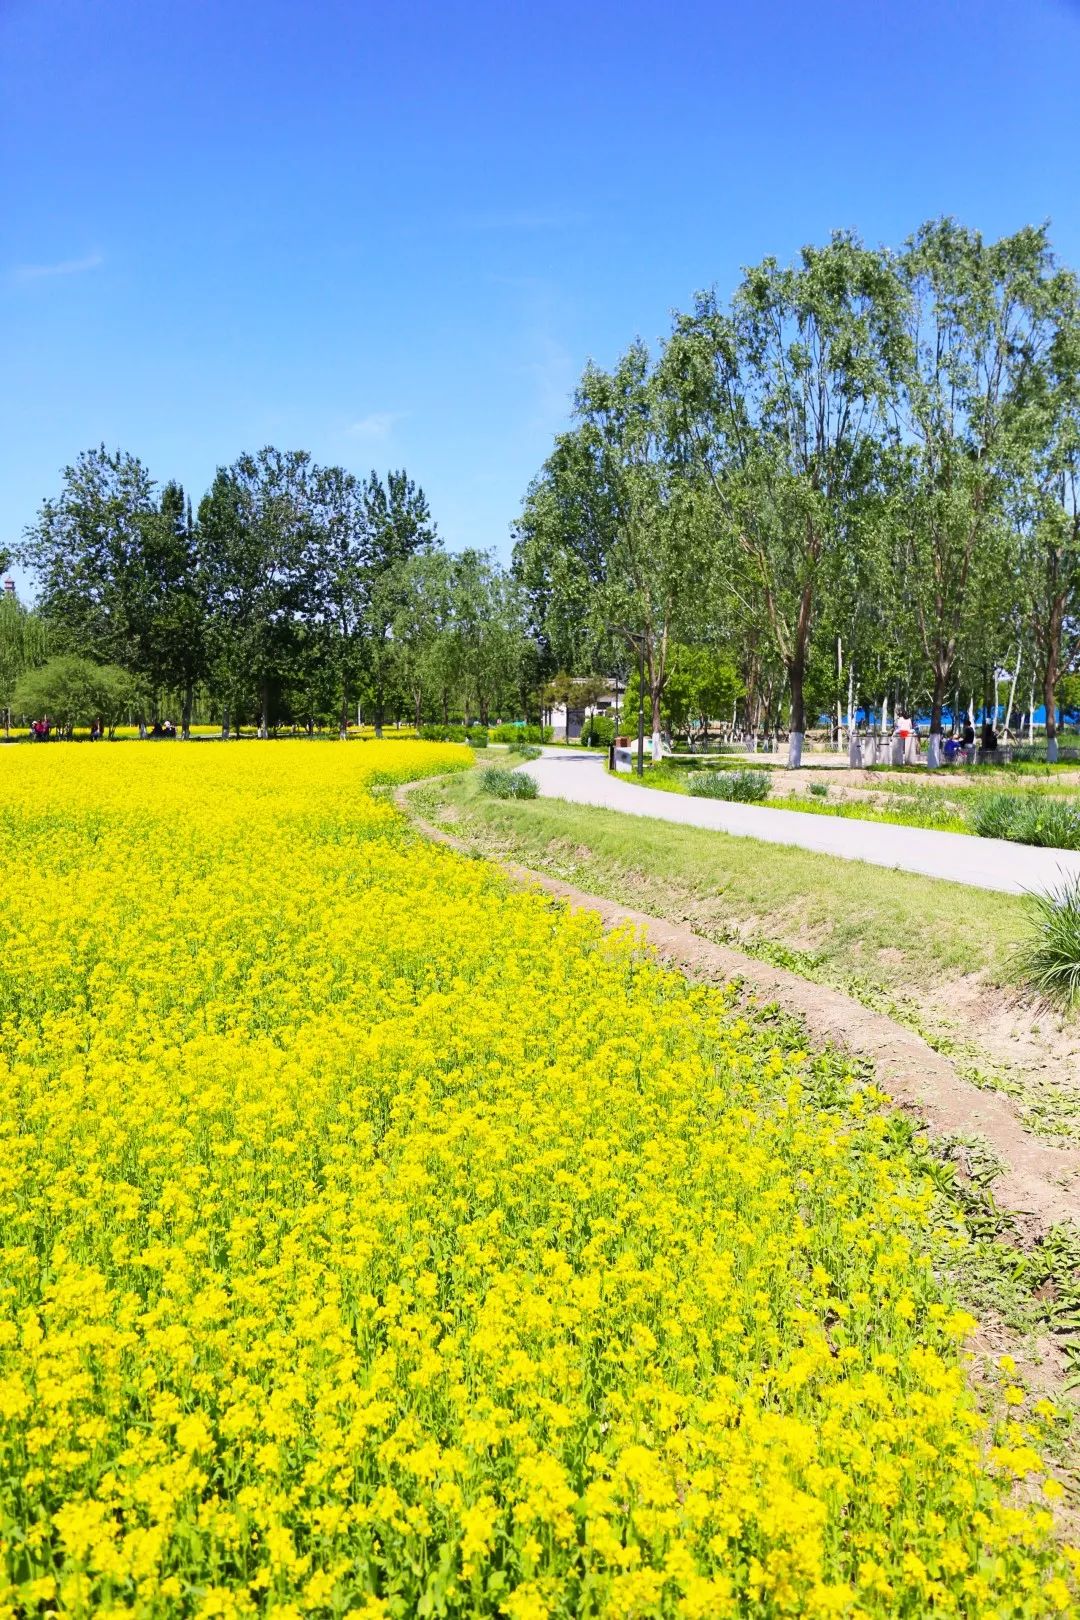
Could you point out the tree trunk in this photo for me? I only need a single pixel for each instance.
(797, 728)
(264, 708)
(657, 748)
(225, 723)
(343, 719)
(379, 707)
(851, 699)
(185, 712)
(933, 753)
(1049, 688)
(1012, 693)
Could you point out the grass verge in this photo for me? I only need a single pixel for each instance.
(938, 957)
(851, 918)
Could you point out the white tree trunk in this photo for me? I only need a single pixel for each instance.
(851, 699)
(1052, 751)
(884, 715)
(933, 751)
(794, 757)
(1012, 693)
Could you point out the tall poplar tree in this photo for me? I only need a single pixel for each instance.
(781, 403)
(978, 326)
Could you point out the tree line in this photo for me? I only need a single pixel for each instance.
(855, 483)
(294, 594)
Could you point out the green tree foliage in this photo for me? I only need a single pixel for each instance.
(72, 691)
(85, 550)
(168, 608)
(1046, 510)
(703, 685)
(778, 402)
(979, 323)
(255, 529)
(398, 527)
(608, 537)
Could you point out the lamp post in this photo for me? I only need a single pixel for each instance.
(641, 707)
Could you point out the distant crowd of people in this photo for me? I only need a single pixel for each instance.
(963, 747)
(41, 730)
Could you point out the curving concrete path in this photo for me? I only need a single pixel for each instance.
(983, 863)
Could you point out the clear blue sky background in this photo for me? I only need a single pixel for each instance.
(392, 233)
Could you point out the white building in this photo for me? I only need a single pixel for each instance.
(567, 727)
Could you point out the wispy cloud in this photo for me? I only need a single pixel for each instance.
(523, 219)
(65, 267)
(377, 425)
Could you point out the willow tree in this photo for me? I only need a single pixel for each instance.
(23, 646)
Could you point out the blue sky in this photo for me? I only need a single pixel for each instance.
(393, 233)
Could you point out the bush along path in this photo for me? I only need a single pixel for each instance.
(1019, 1196)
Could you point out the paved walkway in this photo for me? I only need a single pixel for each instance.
(984, 863)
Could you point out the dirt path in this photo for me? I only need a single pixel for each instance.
(1040, 1184)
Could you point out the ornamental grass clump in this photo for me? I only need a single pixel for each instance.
(1028, 819)
(349, 1272)
(504, 784)
(524, 750)
(1049, 958)
(747, 787)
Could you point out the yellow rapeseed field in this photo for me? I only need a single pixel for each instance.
(378, 1241)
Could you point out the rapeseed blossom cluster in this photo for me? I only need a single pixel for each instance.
(347, 1269)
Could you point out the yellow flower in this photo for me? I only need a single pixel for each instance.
(342, 1270)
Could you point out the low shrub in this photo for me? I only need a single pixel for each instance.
(529, 734)
(598, 731)
(475, 736)
(996, 816)
(820, 790)
(1035, 754)
(1030, 819)
(524, 750)
(748, 787)
(1050, 959)
(504, 784)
